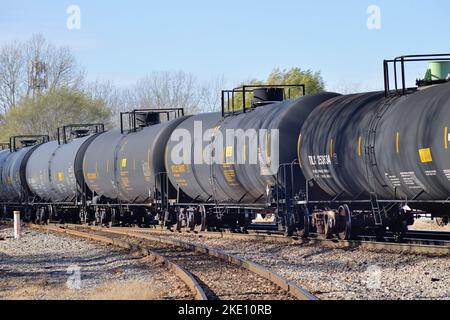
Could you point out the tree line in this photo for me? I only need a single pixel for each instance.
(43, 87)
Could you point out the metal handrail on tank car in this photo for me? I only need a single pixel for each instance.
(5, 145)
(402, 60)
(249, 89)
(132, 125)
(13, 140)
(62, 131)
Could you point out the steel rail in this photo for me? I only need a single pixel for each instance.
(287, 285)
(178, 270)
(416, 246)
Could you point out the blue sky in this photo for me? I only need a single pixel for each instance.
(124, 40)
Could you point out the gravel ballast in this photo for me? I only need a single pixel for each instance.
(331, 273)
(46, 266)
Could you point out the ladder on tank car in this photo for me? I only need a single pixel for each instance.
(371, 162)
(285, 193)
(161, 192)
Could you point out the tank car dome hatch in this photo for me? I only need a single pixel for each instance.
(263, 96)
(80, 133)
(439, 70)
(145, 119)
(28, 142)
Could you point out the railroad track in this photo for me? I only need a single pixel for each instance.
(417, 241)
(424, 237)
(210, 274)
(428, 235)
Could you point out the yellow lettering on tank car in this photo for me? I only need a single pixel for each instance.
(446, 136)
(124, 162)
(425, 155)
(61, 176)
(180, 168)
(230, 176)
(359, 146)
(92, 176)
(125, 182)
(397, 143)
(299, 143)
(166, 156)
(229, 152)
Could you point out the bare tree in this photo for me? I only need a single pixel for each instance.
(35, 66)
(106, 91)
(50, 67)
(11, 75)
(115, 99)
(210, 94)
(167, 89)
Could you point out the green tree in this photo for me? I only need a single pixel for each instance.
(312, 80)
(44, 113)
(238, 97)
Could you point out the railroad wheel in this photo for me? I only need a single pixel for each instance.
(112, 221)
(42, 215)
(167, 220)
(191, 219)
(179, 223)
(345, 222)
(83, 216)
(280, 221)
(330, 223)
(289, 225)
(201, 223)
(51, 214)
(304, 225)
